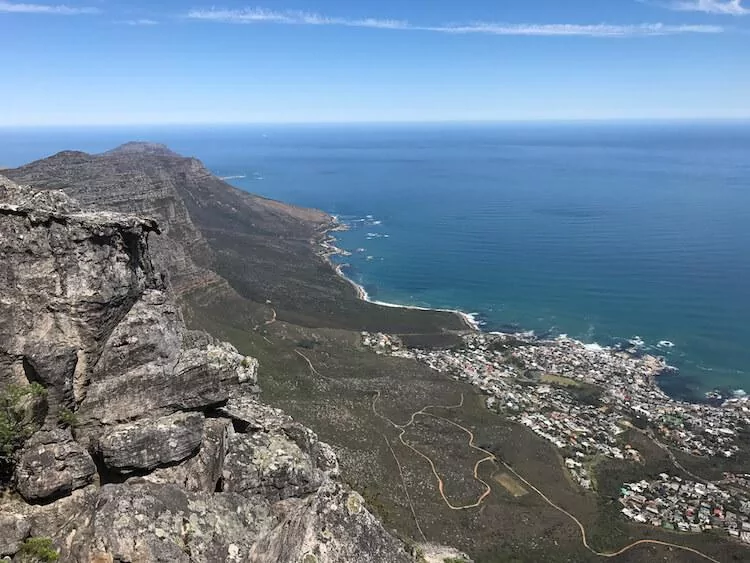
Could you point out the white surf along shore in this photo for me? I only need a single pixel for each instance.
(327, 243)
(329, 249)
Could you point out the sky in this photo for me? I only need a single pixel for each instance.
(133, 62)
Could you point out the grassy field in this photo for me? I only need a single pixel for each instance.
(511, 484)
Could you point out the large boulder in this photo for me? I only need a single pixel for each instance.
(149, 443)
(271, 465)
(51, 465)
(321, 453)
(249, 415)
(331, 526)
(203, 471)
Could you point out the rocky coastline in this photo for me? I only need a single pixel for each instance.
(328, 250)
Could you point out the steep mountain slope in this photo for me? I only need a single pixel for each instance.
(119, 184)
(139, 440)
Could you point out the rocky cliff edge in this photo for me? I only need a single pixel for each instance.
(127, 437)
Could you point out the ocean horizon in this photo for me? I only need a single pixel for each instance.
(607, 232)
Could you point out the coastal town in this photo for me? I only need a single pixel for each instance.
(582, 398)
(673, 503)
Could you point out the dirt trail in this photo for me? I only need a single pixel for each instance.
(583, 530)
(494, 459)
(402, 428)
(490, 457)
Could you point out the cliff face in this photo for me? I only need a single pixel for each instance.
(148, 441)
(127, 182)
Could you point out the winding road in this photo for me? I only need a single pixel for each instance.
(489, 457)
(402, 428)
(494, 459)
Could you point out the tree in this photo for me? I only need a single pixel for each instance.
(17, 421)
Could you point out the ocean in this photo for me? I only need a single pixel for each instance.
(606, 232)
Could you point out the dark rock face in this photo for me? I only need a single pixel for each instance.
(85, 314)
(218, 476)
(150, 443)
(52, 464)
(69, 279)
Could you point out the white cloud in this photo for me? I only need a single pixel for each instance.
(261, 15)
(599, 30)
(138, 22)
(61, 9)
(726, 7)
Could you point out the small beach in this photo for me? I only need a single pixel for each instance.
(329, 250)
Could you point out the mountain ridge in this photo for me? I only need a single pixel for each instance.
(240, 247)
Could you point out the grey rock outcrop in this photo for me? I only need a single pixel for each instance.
(248, 414)
(211, 474)
(150, 443)
(203, 471)
(14, 529)
(332, 526)
(149, 522)
(269, 465)
(132, 181)
(69, 277)
(84, 313)
(272, 455)
(52, 464)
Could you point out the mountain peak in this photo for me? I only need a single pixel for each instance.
(141, 147)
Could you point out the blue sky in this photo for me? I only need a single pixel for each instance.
(138, 61)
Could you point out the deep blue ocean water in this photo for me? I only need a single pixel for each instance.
(600, 231)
